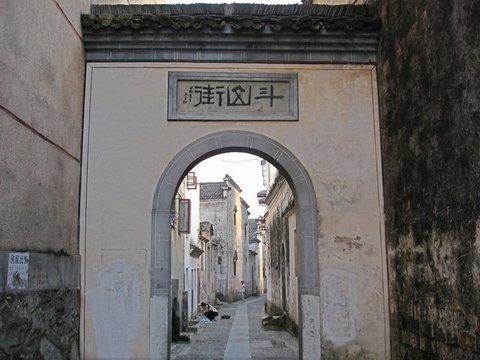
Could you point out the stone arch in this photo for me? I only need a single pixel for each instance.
(304, 193)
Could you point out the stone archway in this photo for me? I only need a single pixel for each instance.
(302, 187)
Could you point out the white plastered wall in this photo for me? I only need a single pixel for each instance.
(128, 142)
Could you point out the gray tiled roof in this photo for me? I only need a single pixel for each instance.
(212, 190)
(327, 11)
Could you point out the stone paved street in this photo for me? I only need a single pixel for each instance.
(240, 337)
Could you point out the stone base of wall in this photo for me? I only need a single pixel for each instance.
(292, 326)
(40, 325)
(272, 308)
(429, 332)
(351, 351)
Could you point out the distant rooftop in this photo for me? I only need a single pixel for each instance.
(244, 203)
(230, 181)
(212, 190)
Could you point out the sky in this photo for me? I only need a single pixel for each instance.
(243, 168)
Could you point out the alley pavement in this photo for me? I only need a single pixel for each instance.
(238, 338)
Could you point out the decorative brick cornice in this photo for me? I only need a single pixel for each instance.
(231, 33)
(295, 23)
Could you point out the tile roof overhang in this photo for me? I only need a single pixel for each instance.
(231, 33)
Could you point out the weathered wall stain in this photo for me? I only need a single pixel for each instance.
(341, 194)
(122, 292)
(355, 352)
(429, 92)
(340, 306)
(351, 242)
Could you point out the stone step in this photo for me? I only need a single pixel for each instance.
(183, 337)
(275, 322)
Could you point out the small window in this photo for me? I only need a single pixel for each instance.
(185, 278)
(235, 258)
(219, 260)
(191, 181)
(184, 211)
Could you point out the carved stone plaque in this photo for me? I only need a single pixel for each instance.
(232, 96)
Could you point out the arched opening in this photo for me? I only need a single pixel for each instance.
(302, 187)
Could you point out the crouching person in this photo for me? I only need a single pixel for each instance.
(209, 311)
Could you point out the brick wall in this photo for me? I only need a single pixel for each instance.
(429, 88)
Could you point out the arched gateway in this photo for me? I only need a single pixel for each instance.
(168, 86)
(302, 187)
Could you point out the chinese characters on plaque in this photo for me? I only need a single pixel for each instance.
(235, 96)
(232, 96)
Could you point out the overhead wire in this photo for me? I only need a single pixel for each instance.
(237, 161)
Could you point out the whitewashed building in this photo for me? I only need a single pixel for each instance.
(222, 206)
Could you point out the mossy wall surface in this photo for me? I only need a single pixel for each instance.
(429, 92)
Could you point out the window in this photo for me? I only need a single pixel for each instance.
(263, 163)
(235, 215)
(235, 258)
(219, 260)
(185, 279)
(191, 181)
(184, 211)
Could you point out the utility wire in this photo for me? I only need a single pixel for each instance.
(238, 161)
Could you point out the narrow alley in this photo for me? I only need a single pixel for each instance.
(309, 170)
(240, 337)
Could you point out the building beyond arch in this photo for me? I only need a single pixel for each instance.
(301, 184)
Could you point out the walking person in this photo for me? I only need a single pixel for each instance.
(243, 289)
